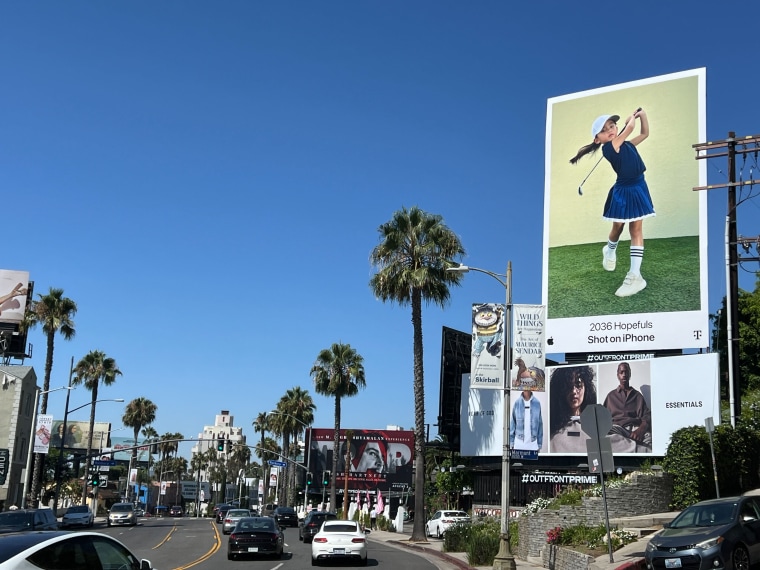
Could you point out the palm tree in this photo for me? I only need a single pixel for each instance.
(93, 369)
(56, 314)
(261, 424)
(411, 259)
(296, 409)
(338, 372)
(139, 412)
(150, 436)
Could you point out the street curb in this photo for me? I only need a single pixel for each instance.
(636, 564)
(420, 547)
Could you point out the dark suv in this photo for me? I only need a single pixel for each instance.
(221, 510)
(285, 516)
(28, 519)
(312, 523)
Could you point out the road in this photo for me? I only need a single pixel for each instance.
(184, 543)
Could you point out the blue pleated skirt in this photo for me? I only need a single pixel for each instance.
(628, 202)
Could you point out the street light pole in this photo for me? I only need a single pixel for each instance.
(63, 440)
(504, 559)
(30, 452)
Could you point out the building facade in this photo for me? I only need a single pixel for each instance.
(18, 385)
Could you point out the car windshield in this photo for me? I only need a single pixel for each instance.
(246, 524)
(121, 508)
(237, 513)
(340, 527)
(454, 514)
(710, 514)
(285, 510)
(80, 509)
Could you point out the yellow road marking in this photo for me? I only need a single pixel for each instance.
(209, 554)
(166, 538)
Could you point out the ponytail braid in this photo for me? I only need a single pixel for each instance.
(583, 151)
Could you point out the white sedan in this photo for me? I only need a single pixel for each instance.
(65, 549)
(339, 540)
(78, 515)
(442, 521)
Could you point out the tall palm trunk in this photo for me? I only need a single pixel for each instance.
(89, 443)
(39, 458)
(418, 531)
(336, 451)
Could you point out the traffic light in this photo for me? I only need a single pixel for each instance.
(229, 446)
(309, 477)
(95, 480)
(220, 444)
(325, 478)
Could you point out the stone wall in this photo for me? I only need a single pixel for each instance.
(644, 494)
(557, 558)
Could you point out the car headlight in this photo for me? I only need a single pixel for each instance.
(651, 547)
(709, 543)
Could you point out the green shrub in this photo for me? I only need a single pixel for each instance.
(457, 538)
(483, 545)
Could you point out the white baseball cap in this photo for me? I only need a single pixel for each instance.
(598, 124)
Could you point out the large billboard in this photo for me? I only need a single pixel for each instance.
(77, 434)
(13, 293)
(380, 460)
(122, 448)
(625, 251)
(648, 400)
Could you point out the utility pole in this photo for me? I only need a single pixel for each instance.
(728, 148)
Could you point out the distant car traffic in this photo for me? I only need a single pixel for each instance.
(311, 524)
(285, 516)
(339, 540)
(66, 549)
(253, 536)
(443, 520)
(220, 511)
(121, 514)
(719, 533)
(28, 519)
(78, 515)
(232, 517)
(175, 511)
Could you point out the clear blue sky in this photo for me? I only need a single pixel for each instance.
(206, 179)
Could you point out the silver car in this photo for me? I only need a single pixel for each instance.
(78, 515)
(122, 514)
(232, 517)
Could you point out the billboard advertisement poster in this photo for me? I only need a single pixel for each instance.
(647, 399)
(122, 448)
(486, 363)
(77, 434)
(13, 289)
(273, 474)
(625, 250)
(379, 459)
(43, 433)
(528, 347)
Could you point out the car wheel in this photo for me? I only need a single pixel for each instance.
(230, 556)
(314, 562)
(438, 533)
(427, 531)
(740, 558)
(364, 561)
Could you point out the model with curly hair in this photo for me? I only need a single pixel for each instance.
(571, 390)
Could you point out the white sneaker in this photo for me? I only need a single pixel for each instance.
(609, 258)
(632, 284)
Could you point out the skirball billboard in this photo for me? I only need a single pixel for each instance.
(625, 248)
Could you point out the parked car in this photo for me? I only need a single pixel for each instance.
(220, 511)
(175, 511)
(719, 533)
(121, 514)
(285, 516)
(78, 515)
(28, 519)
(441, 521)
(339, 540)
(66, 549)
(311, 524)
(232, 517)
(267, 510)
(255, 536)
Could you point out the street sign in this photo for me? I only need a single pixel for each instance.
(103, 462)
(275, 463)
(104, 481)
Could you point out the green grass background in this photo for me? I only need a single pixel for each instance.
(579, 286)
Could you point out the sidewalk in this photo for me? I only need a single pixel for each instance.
(629, 557)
